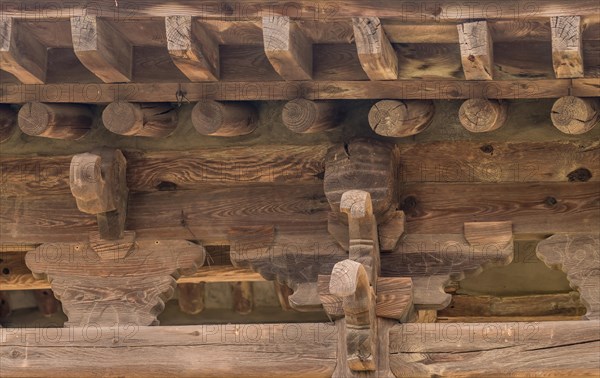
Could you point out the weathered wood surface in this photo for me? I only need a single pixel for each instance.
(243, 297)
(287, 48)
(575, 115)
(21, 54)
(46, 302)
(8, 122)
(59, 121)
(506, 349)
(578, 255)
(224, 118)
(481, 115)
(118, 282)
(476, 50)
(150, 120)
(375, 52)
(306, 116)
(392, 118)
(243, 350)
(567, 55)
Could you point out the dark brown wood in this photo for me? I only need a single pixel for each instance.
(476, 50)
(118, 282)
(102, 49)
(567, 48)
(193, 51)
(21, 54)
(58, 121)
(4, 305)
(481, 115)
(140, 119)
(393, 118)
(377, 56)
(47, 304)
(8, 122)
(224, 118)
(578, 255)
(243, 297)
(306, 116)
(190, 297)
(283, 292)
(575, 115)
(287, 48)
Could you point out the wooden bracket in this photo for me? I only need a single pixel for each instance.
(120, 282)
(98, 183)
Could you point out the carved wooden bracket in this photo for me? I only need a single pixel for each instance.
(578, 255)
(124, 282)
(99, 185)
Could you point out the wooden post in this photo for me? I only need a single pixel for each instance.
(287, 48)
(243, 298)
(567, 57)
(394, 118)
(8, 120)
(191, 297)
(21, 54)
(47, 303)
(476, 50)
(144, 119)
(481, 115)
(192, 50)
(375, 52)
(575, 115)
(224, 118)
(58, 121)
(306, 116)
(283, 292)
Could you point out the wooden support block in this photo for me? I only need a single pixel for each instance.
(283, 292)
(575, 115)
(102, 49)
(394, 118)
(125, 282)
(98, 183)
(287, 48)
(480, 234)
(58, 121)
(481, 115)
(375, 52)
(567, 48)
(191, 297)
(140, 119)
(578, 255)
(193, 51)
(306, 116)
(47, 304)
(395, 298)
(8, 122)
(305, 297)
(389, 232)
(21, 54)
(224, 118)
(243, 297)
(476, 50)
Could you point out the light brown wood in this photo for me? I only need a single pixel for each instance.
(193, 51)
(120, 282)
(377, 56)
(243, 297)
(567, 47)
(499, 349)
(102, 49)
(8, 122)
(190, 297)
(306, 116)
(393, 118)
(426, 316)
(575, 115)
(395, 298)
(140, 119)
(58, 121)
(287, 48)
(485, 233)
(47, 304)
(578, 255)
(21, 54)
(481, 115)
(283, 292)
(476, 50)
(224, 118)
(244, 350)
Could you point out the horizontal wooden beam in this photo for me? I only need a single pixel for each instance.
(408, 10)
(506, 349)
(313, 90)
(245, 350)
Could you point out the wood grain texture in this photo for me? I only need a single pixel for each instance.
(245, 350)
(120, 282)
(192, 49)
(377, 56)
(58, 121)
(8, 122)
(243, 297)
(481, 115)
(507, 349)
(102, 49)
(287, 48)
(190, 297)
(575, 115)
(567, 57)
(393, 118)
(578, 255)
(306, 116)
(21, 54)
(394, 298)
(476, 50)
(224, 118)
(135, 119)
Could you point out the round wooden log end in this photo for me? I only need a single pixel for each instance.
(34, 118)
(58, 121)
(306, 116)
(223, 119)
(480, 115)
(575, 115)
(393, 118)
(123, 118)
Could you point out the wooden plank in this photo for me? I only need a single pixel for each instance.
(567, 46)
(21, 54)
(101, 49)
(288, 49)
(272, 90)
(193, 51)
(476, 50)
(507, 349)
(245, 350)
(377, 56)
